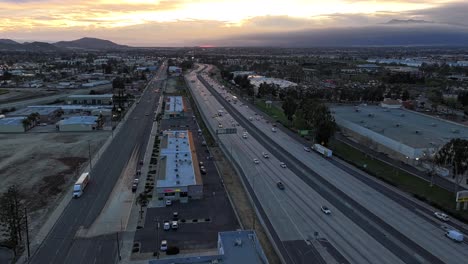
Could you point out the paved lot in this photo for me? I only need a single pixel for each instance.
(213, 213)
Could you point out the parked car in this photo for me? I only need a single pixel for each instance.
(280, 185)
(164, 245)
(168, 202)
(441, 216)
(166, 225)
(174, 225)
(325, 210)
(283, 165)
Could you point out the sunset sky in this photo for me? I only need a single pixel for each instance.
(187, 22)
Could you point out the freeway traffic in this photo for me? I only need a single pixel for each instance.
(374, 218)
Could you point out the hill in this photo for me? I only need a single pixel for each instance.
(90, 44)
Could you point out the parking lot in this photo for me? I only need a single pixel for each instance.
(199, 221)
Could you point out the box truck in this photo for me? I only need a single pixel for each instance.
(322, 150)
(80, 185)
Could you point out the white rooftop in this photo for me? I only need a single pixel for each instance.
(174, 104)
(88, 120)
(12, 121)
(178, 159)
(91, 96)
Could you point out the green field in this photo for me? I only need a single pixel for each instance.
(273, 111)
(435, 196)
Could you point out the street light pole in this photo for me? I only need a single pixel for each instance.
(89, 153)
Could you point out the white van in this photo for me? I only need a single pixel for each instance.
(454, 235)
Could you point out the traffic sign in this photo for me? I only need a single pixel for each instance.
(226, 131)
(462, 196)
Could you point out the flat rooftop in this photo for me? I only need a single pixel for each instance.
(174, 104)
(86, 120)
(97, 96)
(176, 160)
(410, 128)
(29, 110)
(241, 247)
(12, 121)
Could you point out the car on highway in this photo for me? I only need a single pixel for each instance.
(220, 126)
(164, 245)
(325, 210)
(280, 185)
(256, 161)
(175, 215)
(265, 155)
(283, 165)
(134, 187)
(441, 216)
(250, 118)
(147, 114)
(167, 225)
(168, 202)
(273, 130)
(244, 135)
(203, 171)
(174, 225)
(307, 149)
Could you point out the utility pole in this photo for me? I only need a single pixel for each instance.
(27, 230)
(89, 152)
(118, 245)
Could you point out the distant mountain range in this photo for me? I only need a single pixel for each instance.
(82, 44)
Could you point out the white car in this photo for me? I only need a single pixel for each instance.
(244, 135)
(325, 210)
(283, 165)
(273, 130)
(441, 216)
(265, 155)
(166, 225)
(256, 161)
(220, 125)
(307, 149)
(174, 225)
(164, 245)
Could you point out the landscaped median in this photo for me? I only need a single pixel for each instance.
(419, 188)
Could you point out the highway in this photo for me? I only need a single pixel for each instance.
(62, 245)
(370, 223)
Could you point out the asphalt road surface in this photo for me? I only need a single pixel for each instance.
(62, 245)
(370, 223)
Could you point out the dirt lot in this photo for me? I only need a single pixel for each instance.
(45, 164)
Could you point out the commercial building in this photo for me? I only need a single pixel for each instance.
(90, 99)
(46, 114)
(234, 247)
(178, 176)
(78, 123)
(12, 125)
(402, 134)
(174, 107)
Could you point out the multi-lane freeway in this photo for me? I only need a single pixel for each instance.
(370, 222)
(62, 245)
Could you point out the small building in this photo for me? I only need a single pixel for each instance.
(46, 114)
(90, 99)
(174, 70)
(12, 124)
(179, 176)
(174, 108)
(78, 123)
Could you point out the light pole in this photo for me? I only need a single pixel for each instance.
(89, 153)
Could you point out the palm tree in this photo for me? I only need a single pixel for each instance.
(26, 123)
(142, 200)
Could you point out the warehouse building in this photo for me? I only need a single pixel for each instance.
(175, 107)
(46, 114)
(402, 134)
(179, 177)
(90, 99)
(12, 124)
(78, 124)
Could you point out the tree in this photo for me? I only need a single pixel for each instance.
(319, 118)
(289, 107)
(454, 155)
(405, 95)
(119, 84)
(11, 214)
(142, 200)
(26, 123)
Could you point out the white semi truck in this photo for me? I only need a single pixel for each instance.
(80, 185)
(322, 150)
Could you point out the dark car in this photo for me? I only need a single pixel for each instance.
(175, 215)
(203, 171)
(280, 185)
(134, 187)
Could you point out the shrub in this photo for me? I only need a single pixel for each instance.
(172, 251)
